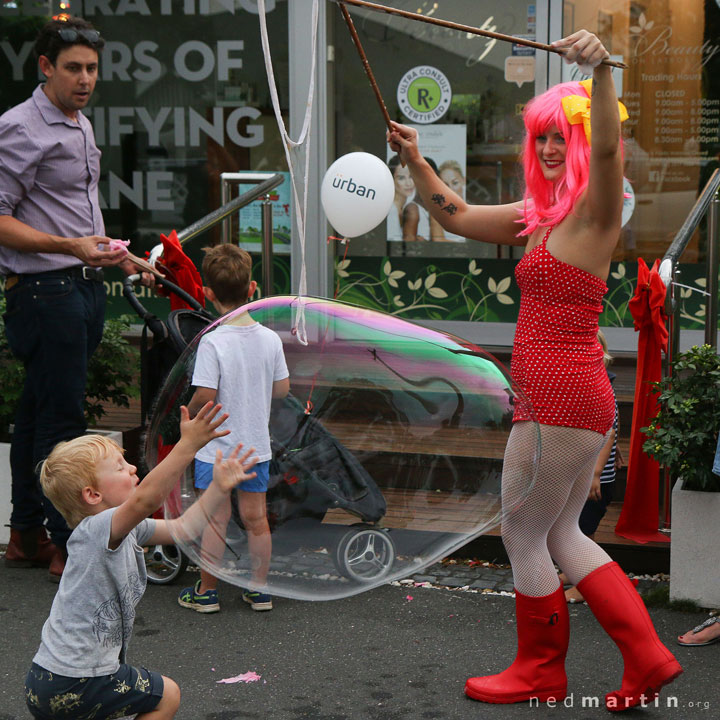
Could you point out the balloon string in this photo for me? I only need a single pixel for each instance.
(309, 405)
(346, 243)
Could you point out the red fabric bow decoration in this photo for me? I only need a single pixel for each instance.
(178, 268)
(639, 517)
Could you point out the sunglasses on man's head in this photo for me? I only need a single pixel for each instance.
(72, 34)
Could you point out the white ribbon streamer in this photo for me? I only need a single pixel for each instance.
(302, 143)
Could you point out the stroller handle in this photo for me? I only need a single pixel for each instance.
(142, 311)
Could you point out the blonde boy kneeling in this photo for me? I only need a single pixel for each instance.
(81, 659)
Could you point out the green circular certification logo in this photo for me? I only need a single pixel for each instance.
(424, 94)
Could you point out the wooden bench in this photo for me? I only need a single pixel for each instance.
(430, 511)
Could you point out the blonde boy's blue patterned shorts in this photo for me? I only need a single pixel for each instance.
(127, 691)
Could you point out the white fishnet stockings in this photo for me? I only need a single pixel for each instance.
(545, 525)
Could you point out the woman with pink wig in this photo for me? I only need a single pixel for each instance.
(569, 222)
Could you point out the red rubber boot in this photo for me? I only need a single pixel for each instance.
(543, 629)
(621, 611)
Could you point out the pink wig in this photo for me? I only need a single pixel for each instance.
(547, 203)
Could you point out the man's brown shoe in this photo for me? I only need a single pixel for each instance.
(29, 548)
(57, 565)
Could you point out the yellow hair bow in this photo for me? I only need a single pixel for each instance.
(577, 109)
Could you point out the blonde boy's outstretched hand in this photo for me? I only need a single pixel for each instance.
(234, 470)
(203, 428)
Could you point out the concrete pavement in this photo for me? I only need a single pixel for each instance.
(399, 652)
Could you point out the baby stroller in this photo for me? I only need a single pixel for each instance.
(163, 562)
(310, 470)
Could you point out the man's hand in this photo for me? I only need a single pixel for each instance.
(130, 268)
(595, 493)
(229, 473)
(199, 431)
(97, 251)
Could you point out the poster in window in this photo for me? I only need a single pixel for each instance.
(444, 147)
(250, 226)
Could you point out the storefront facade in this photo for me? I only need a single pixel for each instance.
(183, 96)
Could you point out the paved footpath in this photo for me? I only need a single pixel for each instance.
(399, 652)
(478, 575)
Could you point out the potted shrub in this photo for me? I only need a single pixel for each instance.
(683, 437)
(111, 379)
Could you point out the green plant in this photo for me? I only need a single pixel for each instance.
(683, 435)
(111, 374)
(112, 371)
(659, 597)
(12, 376)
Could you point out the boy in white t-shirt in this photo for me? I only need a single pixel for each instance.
(241, 365)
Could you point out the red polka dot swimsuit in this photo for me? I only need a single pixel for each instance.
(557, 359)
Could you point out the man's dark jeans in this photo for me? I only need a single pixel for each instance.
(53, 324)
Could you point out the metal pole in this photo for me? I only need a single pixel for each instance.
(224, 199)
(501, 249)
(711, 299)
(672, 351)
(267, 247)
(669, 355)
(674, 337)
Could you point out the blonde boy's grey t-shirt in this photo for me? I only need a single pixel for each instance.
(92, 615)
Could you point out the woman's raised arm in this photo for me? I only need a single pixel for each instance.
(602, 203)
(488, 223)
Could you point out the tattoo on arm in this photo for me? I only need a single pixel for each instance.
(438, 199)
(450, 209)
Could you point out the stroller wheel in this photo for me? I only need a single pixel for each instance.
(365, 554)
(164, 563)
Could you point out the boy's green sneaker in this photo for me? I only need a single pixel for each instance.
(205, 603)
(257, 600)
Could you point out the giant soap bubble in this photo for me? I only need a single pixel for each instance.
(387, 454)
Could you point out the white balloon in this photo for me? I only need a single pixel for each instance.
(357, 193)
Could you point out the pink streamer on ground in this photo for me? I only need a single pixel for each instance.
(247, 677)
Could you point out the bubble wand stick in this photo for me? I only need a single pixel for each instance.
(366, 64)
(466, 28)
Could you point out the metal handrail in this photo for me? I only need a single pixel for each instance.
(217, 216)
(668, 270)
(707, 202)
(682, 238)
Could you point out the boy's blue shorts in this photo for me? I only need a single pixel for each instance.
(127, 691)
(258, 484)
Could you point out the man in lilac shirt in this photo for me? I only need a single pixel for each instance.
(52, 251)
